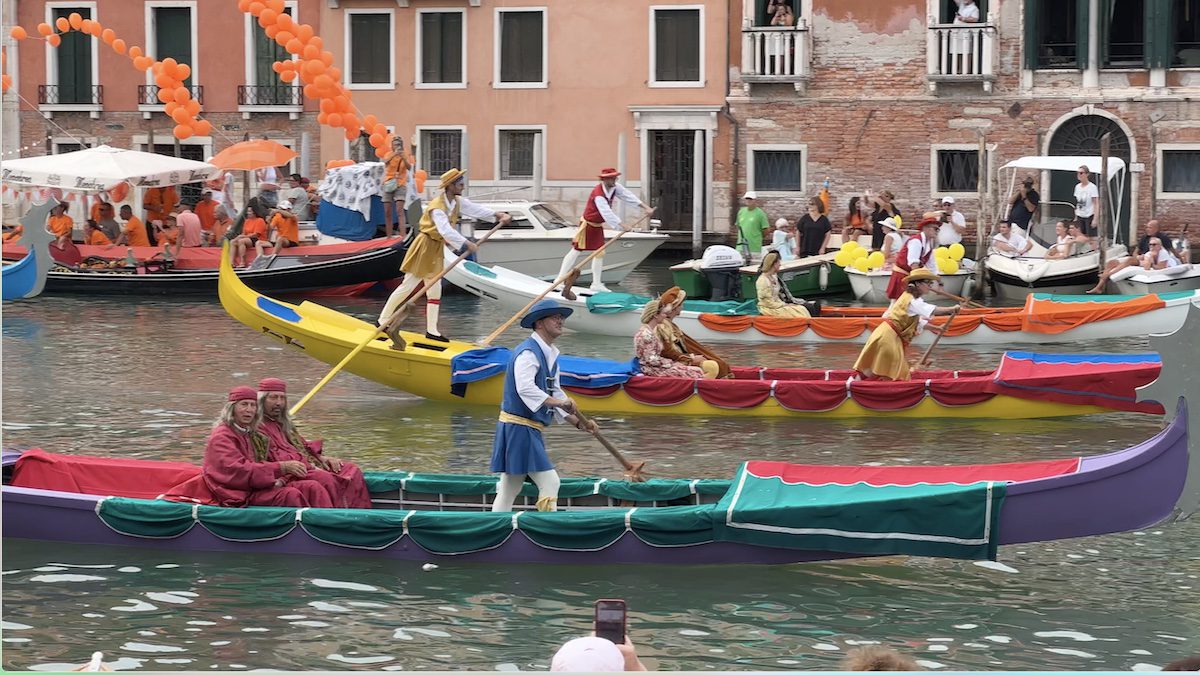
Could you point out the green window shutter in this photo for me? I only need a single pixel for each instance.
(173, 35)
(1082, 17)
(266, 53)
(1033, 36)
(1160, 33)
(74, 61)
(1104, 30)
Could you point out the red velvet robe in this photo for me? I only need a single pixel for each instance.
(231, 476)
(347, 489)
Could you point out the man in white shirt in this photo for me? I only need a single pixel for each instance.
(424, 261)
(1158, 258)
(1087, 197)
(952, 230)
(1008, 240)
(597, 214)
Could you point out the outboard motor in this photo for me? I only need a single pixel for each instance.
(721, 265)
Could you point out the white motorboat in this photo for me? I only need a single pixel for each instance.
(871, 287)
(1136, 281)
(1014, 277)
(619, 314)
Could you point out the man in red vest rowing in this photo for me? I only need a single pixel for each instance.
(590, 237)
(917, 251)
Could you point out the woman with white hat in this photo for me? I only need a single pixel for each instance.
(892, 239)
(882, 357)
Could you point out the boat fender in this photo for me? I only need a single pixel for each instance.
(968, 286)
(824, 276)
(1030, 272)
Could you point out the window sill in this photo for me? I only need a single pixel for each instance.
(148, 110)
(371, 86)
(440, 85)
(293, 111)
(1180, 196)
(520, 85)
(676, 85)
(50, 108)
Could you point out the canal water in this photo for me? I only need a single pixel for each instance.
(145, 378)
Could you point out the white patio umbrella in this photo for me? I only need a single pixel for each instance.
(103, 168)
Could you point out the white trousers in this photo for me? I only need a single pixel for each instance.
(509, 488)
(597, 268)
(433, 300)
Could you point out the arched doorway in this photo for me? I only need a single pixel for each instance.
(1081, 136)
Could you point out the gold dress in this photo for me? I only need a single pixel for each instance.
(771, 300)
(883, 355)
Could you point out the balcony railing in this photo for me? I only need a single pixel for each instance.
(777, 54)
(148, 94)
(270, 95)
(68, 95)
(961, 53)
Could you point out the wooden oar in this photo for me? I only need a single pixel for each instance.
(924, 361)
(959, 298)
(633, 472)
(504, 326)
(385, 325)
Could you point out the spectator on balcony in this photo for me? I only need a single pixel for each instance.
(962, 42)
(781, 13)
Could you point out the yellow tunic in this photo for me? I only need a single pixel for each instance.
(883, 355)
(425, 256)
(771, 304)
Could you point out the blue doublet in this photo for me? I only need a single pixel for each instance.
(519, 449)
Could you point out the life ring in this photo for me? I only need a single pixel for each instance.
(823, 276)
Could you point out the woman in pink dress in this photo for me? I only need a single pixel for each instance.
(648, 346)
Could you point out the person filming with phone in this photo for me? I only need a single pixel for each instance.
(607, 650)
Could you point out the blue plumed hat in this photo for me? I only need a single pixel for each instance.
(543, 309)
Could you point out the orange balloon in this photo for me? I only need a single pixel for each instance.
(271, 30)
(108, 36)
(256, 8)
(288, 76)
(54, 40)
(192, 107)
(323, 118)
(381, 153)
(305, 32)
(170, 107)
(243, 5)
(342, 103)
(327, 106)
(334, 119)
(5, 82)
(18, 33)
(182, 95)
(316, 41)
(376, 140)
(142, 63)
(87, 26)
(311, 52)
(380, 129)
(275, 5)
(267, 17)
(323, 83)
(277, 67)
(337, 163)
(284, 22)
(119, 192)
(350, 121)
(169, 64)
(310, 91)
(167, 95)
(370, 121)
(118, 46)
(163, 80)
(76, 20)
(62, 24)
(350, 136)
(335, 73)
(203, 128)
(181, 116)
(283, 37)
(294, 46)
(183, 132)
(326, 57)
(45, 29)
(420, 179)
(183, 71)
(135, 51)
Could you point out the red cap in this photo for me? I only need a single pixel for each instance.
(272, 384)
(242, 394)
(927, 221)
(609, 173)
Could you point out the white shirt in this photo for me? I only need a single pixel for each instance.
(465, 207)
(1016, 241)
(1164, 256)
(948, 232)
(606, 212)
(913, 250)
(918, 308)
(525, 371)
(783, 242)
(966, 11)
(1085, 207)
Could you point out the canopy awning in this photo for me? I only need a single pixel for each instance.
(1066, 163)
(103, 168)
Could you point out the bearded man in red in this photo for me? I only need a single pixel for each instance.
(343, 481)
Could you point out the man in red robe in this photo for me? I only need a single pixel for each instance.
(342, 480)
(237, 470)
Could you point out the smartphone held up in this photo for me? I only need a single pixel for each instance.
(610, 620)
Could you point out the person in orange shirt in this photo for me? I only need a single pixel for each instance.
(166, 234)
(94, 236)
(254, 230)
(206, 210)
(395, 181)
(60, 224)
(220, 226)
(286, 226)
(133, 233)
(159, 202)
(97, 211)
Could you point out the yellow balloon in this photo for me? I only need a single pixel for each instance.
(842, 258)
(947, 266)
(941, 252)
(875, 260)
(957, 251)
(849, 245)
(860, 252)
(899, 220)
(860, 264)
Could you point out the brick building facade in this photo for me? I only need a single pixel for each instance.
(894, 96)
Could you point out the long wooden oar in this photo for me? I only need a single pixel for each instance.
(633, 472)
(504, 326)
(959, 298)
(924, 361)
(383, 327)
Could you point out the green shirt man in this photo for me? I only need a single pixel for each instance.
(752, 224)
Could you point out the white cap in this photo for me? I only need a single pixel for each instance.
(750, 195)
(947, 200)
(782, 222)
(285, 204)
(890, 223)
(588, 655)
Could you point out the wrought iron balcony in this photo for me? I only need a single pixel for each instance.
(148, 94)
(961, 53)
(777, 54)
(270, 95)
(70, 95)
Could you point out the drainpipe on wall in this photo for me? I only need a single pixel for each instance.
(736, 163)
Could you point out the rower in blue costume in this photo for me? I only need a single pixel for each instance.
(533, 399)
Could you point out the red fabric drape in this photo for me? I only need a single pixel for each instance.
(877, 395)
(660, 390)
(108, 476)
(734, 393)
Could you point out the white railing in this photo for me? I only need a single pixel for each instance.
(776, 53)
(961, 52)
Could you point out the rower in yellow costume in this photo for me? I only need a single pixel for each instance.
(423, 262)
(883, 355)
